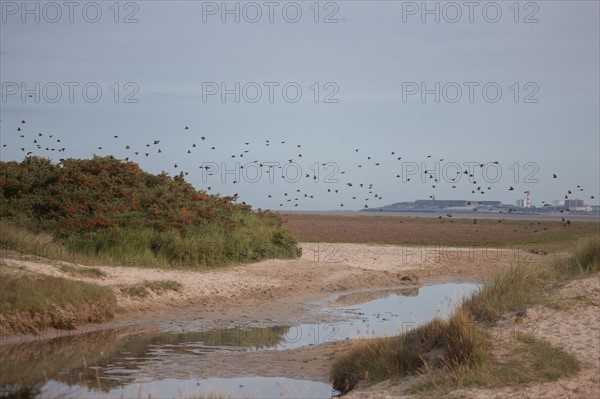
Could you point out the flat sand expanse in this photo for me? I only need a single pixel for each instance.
(284, 292)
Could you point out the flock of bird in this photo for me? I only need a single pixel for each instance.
(357, 194)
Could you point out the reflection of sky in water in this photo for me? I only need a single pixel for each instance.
(178, 364)
(246, 387)
(382, 317)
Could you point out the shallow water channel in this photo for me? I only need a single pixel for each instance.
(191, 361)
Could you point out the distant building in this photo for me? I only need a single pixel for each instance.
(557, 203)
(520, 203)
(573, 203)
(433, 203)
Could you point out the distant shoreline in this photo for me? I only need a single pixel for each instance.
(460, 214)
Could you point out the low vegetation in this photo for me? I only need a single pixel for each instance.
(461, 349)
(526, 360)
(31, 302)
(586, 258)
(110, 211)
(524, 285)
(436, 344)
(543, 236)
(80, 271)
(142, 290)
(21, 243)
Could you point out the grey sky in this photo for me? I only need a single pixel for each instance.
(368, 57)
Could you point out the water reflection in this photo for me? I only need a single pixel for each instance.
(108, 359)
(124, 363)
(240, 387)
(363, 296)
(36, 361)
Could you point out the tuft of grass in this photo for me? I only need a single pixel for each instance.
(437, 344)
(548, 362)
(524, 285)
(527, 360)
(584, 260)
(142, 290)
(508, 292)
(586, 300)
(587, 254)
(82, 271)
(159, 286)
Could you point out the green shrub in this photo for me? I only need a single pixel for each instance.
(112, 211)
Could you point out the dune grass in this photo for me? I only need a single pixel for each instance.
(461, 347)
(76, 271)
(435, 344)
(512, 291)
(142, 290)
(30, 302)
(527, 284)
(28, 292)
(525, 360)
(585, 259)
(195, 248)
(19, 242)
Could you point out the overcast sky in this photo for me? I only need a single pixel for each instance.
(513, 83)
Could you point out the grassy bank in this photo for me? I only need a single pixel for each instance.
(30, 303)
(436, 344)
(525, 285)
(110, 211)
(460, 351)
